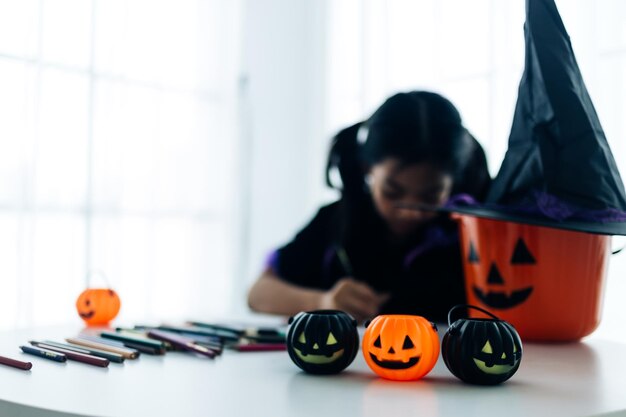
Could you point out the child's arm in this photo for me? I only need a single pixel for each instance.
(270, 294)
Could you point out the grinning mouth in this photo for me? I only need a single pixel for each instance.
(501, 300)
(87, 315)
(493, 369)
(395, 364)
(319, 359)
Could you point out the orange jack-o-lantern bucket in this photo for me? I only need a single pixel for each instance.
(547, 282)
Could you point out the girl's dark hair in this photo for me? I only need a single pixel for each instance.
(412, 127)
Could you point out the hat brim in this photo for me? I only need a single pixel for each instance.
(608, 228)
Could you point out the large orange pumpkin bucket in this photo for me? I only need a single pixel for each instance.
(547, 282)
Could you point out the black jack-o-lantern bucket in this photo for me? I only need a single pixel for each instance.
(322, 341)
(546, 282)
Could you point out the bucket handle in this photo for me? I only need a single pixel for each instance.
(469, 306)
(618, 250)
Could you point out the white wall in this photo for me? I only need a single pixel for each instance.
(282, 101)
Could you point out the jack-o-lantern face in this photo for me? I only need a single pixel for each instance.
(495, 295)
(97, 306)
(326, 353)
(401, 347)
(323, 341)
(546, 282)
(490, 363)
(482, 351)
(405, 358)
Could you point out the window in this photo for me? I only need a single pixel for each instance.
(117, 155)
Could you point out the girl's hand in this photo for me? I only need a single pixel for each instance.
(354, 297)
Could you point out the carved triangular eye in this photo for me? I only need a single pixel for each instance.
(473, 255)
(377, 342)
(521, 254)
(408, 343)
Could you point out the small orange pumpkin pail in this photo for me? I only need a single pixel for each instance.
(98, 306)
(400, 347)
(546, 282)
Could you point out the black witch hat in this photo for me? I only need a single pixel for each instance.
(558, 170)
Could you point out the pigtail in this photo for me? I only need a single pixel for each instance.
(474, 179)
(344, 159)
(345, 172)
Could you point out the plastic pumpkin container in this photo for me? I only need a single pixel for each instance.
(322, 341)
(481, 351)
(547, 282)
(98, 306)
(400, 347)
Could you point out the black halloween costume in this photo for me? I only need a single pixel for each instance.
(348, 238)
(424, 274)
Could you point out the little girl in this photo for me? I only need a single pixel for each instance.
(363, 254)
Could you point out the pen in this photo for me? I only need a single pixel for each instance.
(214, 343)
(75, 356)
(135, 348)
(218, 349)
(264, 331)
(205, 331)
(345, 261)
(145, 349)
(123, 336)
(258, 347)
(266, 339)
(260, 334)
(113, 357)
(197, 334)
(43, 353)
(109, 342)
(15, 363)
(135, 341)
(142, 335)
(217, 327)
(182, 342)
(120, 350)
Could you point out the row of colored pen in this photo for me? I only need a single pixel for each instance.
(97, 351)
(117, 346)
(203, 339)
(243, 339)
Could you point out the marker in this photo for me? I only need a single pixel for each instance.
(43, 353)
(199, 335)
(257, 334)
(113, 357)
(15, 363)
(345, 261)
(258, 347)
(128, 340)
(134, 347)
(93, 344)
(218, 327)
(75, 356)
(182, 342)
(142, 335)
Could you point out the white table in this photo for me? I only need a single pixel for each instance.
(580, 379)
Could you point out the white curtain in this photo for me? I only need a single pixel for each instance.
(118, 154)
